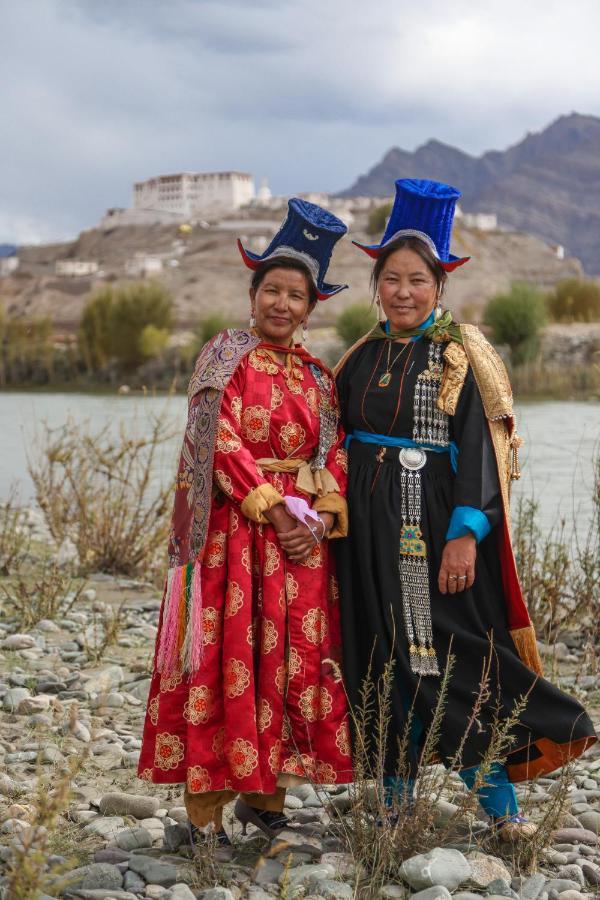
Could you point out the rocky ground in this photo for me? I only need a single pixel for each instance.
(124, 838)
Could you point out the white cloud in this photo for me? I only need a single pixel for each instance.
(307, 92)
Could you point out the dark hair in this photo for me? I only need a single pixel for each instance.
(285, 262)
(421, 249)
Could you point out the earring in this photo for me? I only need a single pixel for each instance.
(252, 319)
(305, 331)
(380, 313)
(437, 312)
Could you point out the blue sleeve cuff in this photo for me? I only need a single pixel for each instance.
(468, 520)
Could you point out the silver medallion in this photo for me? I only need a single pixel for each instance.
(412, 458)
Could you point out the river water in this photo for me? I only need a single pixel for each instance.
(557, 459)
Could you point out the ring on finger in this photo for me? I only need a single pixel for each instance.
(452, 577)
(462, 577)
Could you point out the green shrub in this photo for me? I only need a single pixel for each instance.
(355, 321)
(378, 218)
(115, 322)
(211, 325)
(515, 319)
(575, 300)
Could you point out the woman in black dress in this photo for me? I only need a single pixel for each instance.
(428, 568)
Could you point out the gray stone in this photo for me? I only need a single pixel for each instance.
(7, 785)
(179, 813)
(500, 888)
(132, 882)
(133, 839)
(216, 893)
(570, 895)
(444, 812)
(437, 892)
(120, 804)
(554, 857)
(561, 884)
(53, 756)
(343, 864)
(465, 895)
(102, 876)
(440, 866)
(175, 836)
(306, 875)
(30, 705)
(574, 835)
(180, 892)
(532, 887)
(591, 874)
(590, 820)
(111, 855)
(105, 827)
(391, 892)
(18, 642)
(13, 697)
(336, 890)
(485, 869)
(572, 872)
(153, 870)
(104, 894)
(101, 680)
(267, 871)
(140, 690)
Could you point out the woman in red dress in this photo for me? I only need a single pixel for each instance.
(246, 695)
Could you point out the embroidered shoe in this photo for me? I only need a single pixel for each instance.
(514, 828)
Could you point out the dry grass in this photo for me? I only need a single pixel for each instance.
(97, 489)
(13, 539)
(28, 875)
(560, 571)
(52, 591)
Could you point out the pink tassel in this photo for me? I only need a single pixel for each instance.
(167, 653)
(192, 651)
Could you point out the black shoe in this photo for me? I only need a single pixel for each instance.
(269, 822)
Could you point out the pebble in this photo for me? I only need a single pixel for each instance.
(562, 884)
(102, 876)
(329, 889)
(306, 875)
(179, 892)
(500, 888)
(105, 827)
(132, 882)
(485, 869)
(572, 872)
(120, 804)
(30, 705)
(18, 642)
(591, 821)
(101, 680)
(440, 866)
(591, 874)
(133, 839)
(153, 870)
(437, 892)
(572, 835)
(13, 697)
(532, 887)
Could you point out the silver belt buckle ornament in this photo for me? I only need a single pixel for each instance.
(412, 458)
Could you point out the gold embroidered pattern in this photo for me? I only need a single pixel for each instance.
(153, 710)
(274, 757)
(234, 599)
(271, 558)
(314, 559)
(265, 715)
(314, 626)
(218, 744)
(227, 439)
(211, 625)
(236, 678)
(170, 682)
(146, 775)
(214, 552)
(291, 586)
(198, 780)
(269, 636)
(199, 707)
(341, 458)
(276, 396)
(324, 773)
(262, 362)
(223, 481)
(490, 373)
(456, 365)
(292, 436)
(242, 757)
(294, 663)
(168, 752)
(280, 678)
(236, 409)
(315, 703)
(342, 739)
(255, 424)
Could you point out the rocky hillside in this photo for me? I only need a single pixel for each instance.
(547, 185)
(205, 273)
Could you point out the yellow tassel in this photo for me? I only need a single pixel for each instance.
(526, 644)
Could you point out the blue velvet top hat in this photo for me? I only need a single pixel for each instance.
(308, 234)
(423, 209)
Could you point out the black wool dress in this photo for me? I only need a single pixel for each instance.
(553, 727)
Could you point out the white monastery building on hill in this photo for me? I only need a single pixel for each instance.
(194, 193)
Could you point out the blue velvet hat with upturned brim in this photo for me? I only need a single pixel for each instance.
(423, 209)
(308, 235)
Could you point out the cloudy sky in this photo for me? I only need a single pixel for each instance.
(310, 93)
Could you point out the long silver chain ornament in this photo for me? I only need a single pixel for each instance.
(414, 571)
(430, 424)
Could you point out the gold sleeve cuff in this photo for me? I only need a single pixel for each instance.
(259, 501)
(336, 505)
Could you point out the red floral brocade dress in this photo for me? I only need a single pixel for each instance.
(267, 700)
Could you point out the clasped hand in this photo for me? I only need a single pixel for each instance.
(297, 539)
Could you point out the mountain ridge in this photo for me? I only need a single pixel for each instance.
(547, 184)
